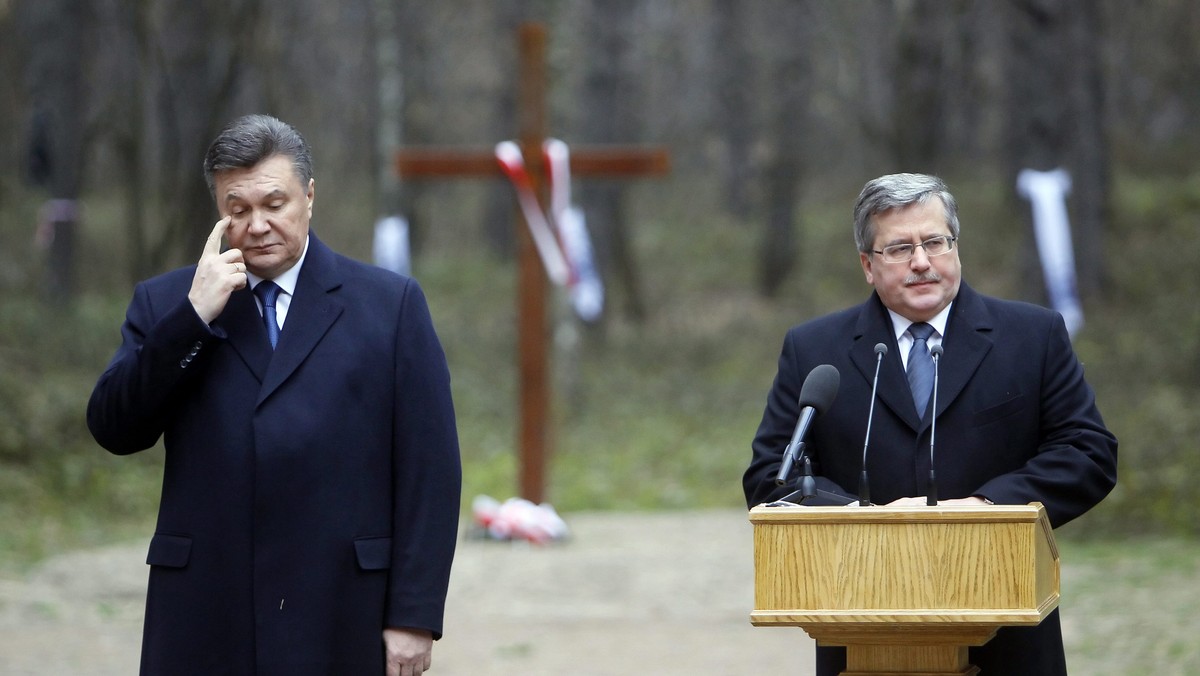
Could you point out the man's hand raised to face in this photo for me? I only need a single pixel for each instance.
(218, 274)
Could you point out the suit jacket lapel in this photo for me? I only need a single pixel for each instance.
(312, 312)
(875, 326)
(967, 342)
(243, 327)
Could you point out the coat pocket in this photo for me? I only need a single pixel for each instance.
(169, 551)
(374, 553)
(1000, 411)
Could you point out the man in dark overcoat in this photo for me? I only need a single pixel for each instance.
(312, 478)
(1016, 421)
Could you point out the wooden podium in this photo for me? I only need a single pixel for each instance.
(906, 590)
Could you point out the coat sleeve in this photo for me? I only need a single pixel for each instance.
(427, 473)
(1075, 464)
(161, 350)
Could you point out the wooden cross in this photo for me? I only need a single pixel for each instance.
(532, 333)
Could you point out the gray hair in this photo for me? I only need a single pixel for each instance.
(251, 139)
(898, 190)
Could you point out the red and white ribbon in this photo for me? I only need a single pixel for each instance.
(561, 239)
(586, 287)
(508, 154)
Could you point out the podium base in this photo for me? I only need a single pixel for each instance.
(907, 660)
(969, 672)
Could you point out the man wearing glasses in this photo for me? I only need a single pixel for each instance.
(1016, 421)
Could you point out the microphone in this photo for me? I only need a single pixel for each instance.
(817, 393)
(931, 497)
(864, 485)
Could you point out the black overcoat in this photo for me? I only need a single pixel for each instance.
(310, 494)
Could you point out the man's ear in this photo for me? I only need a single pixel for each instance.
(865, 259)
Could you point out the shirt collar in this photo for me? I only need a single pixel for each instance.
(900, 323)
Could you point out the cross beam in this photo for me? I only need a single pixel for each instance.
(595, 161)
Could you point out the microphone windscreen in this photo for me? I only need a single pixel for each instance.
(820, 387)
(880, 348)
(936, 350)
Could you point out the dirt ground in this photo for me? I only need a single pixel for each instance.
(659, 593)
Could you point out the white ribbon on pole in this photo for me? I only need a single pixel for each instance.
(1047, 193)
(586, 287)
(390, 248)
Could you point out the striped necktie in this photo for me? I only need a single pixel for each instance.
(267, 292)
(920, 366)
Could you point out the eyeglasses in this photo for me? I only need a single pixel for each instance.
(902, 253)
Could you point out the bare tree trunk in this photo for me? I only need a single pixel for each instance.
(919, 87)
(735, 109)
(498, 207)
(791, 74)
(54, 76)
(609, 99)
(389, 119)
(125, 122)
(1090, 158)
(1054, 113)
(416, 117)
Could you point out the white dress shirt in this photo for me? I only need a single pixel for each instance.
(287, 284)
(904, 339)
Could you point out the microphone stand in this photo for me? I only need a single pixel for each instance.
(808, 489)
(808, 485)
(864, 483)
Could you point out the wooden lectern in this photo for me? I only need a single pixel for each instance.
(906, 590)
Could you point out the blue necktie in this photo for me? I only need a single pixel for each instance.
(267, 292)
(920, 366)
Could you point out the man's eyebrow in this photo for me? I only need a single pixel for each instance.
(273, 195)
(923, 239)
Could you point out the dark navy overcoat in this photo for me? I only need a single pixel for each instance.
(310, 494)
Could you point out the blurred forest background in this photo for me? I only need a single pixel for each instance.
(775, 112)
